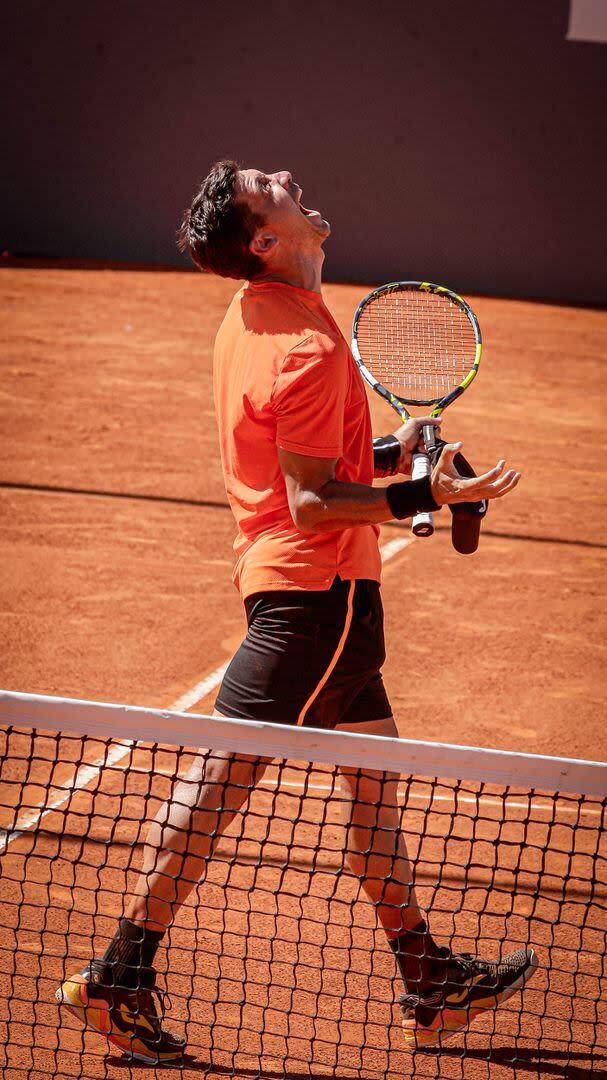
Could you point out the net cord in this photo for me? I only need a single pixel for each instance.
(105, 720)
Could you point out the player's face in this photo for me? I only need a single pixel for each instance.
(277, 198)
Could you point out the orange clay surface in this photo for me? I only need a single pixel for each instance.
(115, 562)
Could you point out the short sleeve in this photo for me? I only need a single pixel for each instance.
(309, 398)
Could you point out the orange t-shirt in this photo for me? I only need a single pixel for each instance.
(284, 377)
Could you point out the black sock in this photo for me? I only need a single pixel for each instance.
(416, 954)
(129, 957)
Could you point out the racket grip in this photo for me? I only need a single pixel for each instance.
(423, 523)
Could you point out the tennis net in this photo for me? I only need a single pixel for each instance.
(275, 964)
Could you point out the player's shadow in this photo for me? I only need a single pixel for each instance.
(560, 1063)
(192, 1064)
(552, 1062)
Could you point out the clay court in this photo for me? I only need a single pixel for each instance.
(115, 576)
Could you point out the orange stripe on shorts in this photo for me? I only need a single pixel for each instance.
(335, 657)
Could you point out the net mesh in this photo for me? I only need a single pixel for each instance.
(275, 964)
(420, 345)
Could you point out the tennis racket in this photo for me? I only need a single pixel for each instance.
(417, 345)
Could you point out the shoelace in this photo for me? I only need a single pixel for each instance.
(155, 996)
(463, 961)
(410, 1001)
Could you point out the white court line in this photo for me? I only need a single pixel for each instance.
(392, 548)
(418, 796)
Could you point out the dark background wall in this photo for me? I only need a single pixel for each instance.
(457, 141)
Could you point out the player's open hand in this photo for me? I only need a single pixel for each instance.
(448, 486)
(411, 439)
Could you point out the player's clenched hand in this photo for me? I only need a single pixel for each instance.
(410, 439)
(449, 487)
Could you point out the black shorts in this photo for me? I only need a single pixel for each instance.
(310, 658)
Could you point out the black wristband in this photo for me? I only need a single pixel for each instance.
(386, 455)
(411, 497)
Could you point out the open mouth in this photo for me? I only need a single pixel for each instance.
(304, 210)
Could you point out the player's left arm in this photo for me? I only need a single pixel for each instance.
(320, 503)
(392, 454)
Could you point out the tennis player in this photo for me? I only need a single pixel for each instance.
(299, 461)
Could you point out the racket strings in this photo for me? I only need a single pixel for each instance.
(420, 345)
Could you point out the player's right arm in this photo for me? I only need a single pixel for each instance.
(320, 503)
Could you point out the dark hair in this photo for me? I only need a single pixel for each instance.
(217, 228)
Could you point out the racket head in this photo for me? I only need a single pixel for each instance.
(416, 344)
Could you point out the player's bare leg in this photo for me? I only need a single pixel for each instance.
(186, 830)
(376, 851)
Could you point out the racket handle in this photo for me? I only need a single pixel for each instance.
(423, 523)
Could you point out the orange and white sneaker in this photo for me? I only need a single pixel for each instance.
(467, 988)
(130, 1019)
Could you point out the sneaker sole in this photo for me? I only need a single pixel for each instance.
(454, 1020)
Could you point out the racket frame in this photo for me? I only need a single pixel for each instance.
(423, 523)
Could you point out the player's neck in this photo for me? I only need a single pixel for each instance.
(302, 270)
